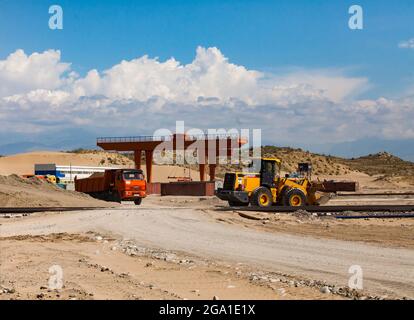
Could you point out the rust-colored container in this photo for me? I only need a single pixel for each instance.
(335, 186)
(187, 188)
(154, 188)
(98, 182)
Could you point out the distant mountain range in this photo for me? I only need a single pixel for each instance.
(70, 140)
(51, 141)
(403, 149)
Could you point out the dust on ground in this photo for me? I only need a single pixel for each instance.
(386, 232)
(100, 267)
(383, 232)
(98, 271)
(93, 269)
(373, 183)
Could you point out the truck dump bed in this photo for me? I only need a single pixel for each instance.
(98, 182)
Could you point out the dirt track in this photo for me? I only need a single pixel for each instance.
(387, 271)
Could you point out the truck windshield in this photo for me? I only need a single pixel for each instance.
(133, 175)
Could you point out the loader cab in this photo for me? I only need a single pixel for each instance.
(267, 173)
(268, 168)
(305, 170)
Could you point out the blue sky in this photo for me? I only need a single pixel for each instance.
(263, 35)
(296, 62)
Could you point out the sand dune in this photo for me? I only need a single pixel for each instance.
(21, 164)
(15, 191)
(19, 192)
(24, 163)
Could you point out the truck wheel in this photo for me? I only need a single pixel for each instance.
(262, 197)
(294, 198)
(138, 201)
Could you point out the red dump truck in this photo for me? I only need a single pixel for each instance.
(115, 185)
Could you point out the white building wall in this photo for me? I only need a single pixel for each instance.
(70, 172)
(80, 172)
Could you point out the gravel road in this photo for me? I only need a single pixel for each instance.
(386, 271)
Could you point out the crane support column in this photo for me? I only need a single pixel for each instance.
(137, 159)
(212, 171)
(148, 162)
(202, 167)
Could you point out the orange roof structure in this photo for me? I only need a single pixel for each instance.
(213, 145)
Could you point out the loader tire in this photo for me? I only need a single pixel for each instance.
(138, 201)
(294, 198)
(262, 197)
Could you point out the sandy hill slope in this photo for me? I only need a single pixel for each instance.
(23, 163)
(382, 170)
(384, 166)
(380, 163)
(321, 164)
(19, 192)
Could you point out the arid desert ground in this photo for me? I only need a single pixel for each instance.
(193, 247)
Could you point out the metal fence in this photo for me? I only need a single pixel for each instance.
(133, 139)
(167, 138)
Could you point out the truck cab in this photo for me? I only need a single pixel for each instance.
(130, 185)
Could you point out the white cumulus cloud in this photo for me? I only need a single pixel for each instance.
(407, 44)
(40, 92)
(209, 77)
(20, 73)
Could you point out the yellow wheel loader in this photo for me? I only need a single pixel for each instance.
(264, 187)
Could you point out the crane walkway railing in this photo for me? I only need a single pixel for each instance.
(187, 137)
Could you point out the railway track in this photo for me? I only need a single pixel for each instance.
(332, 209)
(340, 212)
(377, 216)
(17, 210)
(357, 194)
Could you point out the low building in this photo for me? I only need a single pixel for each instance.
(67, 174)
